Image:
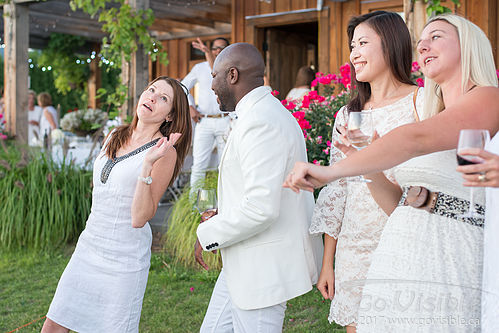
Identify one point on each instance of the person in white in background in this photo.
(486, 174)
(34, 115)
(48, 120)
(261, 229)
(212, 126)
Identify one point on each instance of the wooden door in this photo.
(286, 52)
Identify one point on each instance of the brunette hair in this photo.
(44, 99)
(221, 38)
(397, 51)
(180, 123)
(305, 76)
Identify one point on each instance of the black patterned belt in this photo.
(440, 204)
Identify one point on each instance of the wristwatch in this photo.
(147, 180)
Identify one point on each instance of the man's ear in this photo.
(233, 75)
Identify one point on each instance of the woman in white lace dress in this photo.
(425, 274)
(345, 211)
(102, 287)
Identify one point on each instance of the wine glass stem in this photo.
(472, 202)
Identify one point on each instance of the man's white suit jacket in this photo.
(262, 228)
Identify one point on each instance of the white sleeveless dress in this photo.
(346, 211)
(102, 287)
(426, 273)
(490, 296)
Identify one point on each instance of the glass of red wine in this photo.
(471, 138)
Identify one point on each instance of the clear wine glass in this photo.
(360, 131)
(206, 200)
(471, 138)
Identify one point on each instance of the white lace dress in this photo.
(102, 288)
(426, 273)
(346, 211)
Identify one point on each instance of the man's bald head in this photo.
(243, 56)
(237, 70)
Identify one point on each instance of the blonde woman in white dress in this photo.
(345, 212)
(426, 272)
(103, 285)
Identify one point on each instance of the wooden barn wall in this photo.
(333, 19)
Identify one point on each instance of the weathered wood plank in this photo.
(16, 39)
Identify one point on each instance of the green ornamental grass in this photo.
(44, 205)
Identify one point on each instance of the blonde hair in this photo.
(477, 62)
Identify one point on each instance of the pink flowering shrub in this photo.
(3, 135)
(316, 112)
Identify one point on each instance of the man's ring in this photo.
(482, 178)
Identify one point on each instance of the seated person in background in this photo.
(304, 78)
(48, 120)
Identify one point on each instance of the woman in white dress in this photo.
(486, 174)
(34, 115)
(345, 212)
(304, 78)
(102, 288)
(425, 275)
(49, 120)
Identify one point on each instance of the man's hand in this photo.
(195, 114)
(198, 250)
(198, 254)
(198, 44)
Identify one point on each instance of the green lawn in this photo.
(175, 300)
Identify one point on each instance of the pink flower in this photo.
(319, 74)
(290, 106)
(191, 289)
(315, 162)
(321, 99)
(328, 143)
(1, 115)
(420, 82)
(284, 102)
(314, 83)
(312, 94)
(299, 115)
(274, 93)
(497, 73)
(305, 103)
(304, 124)
(326, 151)
(319, 139)
(3, 136)
(415, 67)
(325, 79)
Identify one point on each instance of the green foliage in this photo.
(43, 205)
(127, 28)
(183, 222)
(434, 7)
(61, 57)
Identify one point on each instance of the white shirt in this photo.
(35, 115)
(207, 100)
(44, 123)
